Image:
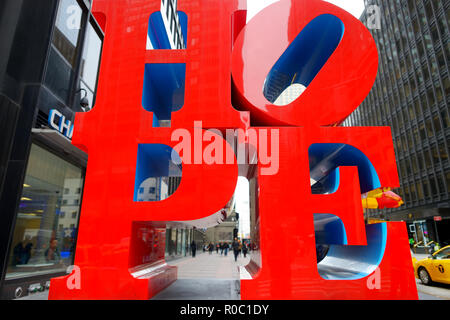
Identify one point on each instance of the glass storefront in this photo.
(178, 242)
(47, 220)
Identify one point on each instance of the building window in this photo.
(414, 165)
(426, 191)
(443, 152)
(423, 135)
(419, 191)
(90, 62)
(447, 178)
(433, 186)
(445, 119)
(429, 11)
(42, 241)
(65, 49)
(67, 31)
(437, 123)
(71, 31)
(429, 128)
(426, 155)
(440, 183)
(420, 162)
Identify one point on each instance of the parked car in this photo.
(435, 268)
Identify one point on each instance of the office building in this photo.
(49, 62)
(411, 95)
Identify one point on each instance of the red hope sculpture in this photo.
(284, 266)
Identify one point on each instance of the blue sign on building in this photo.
(57, 121)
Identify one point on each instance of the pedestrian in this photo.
(211, 248)
(244, 250)
(217, 248)
(193, 248)
(432, 247)
(235, 246)
(221, 248)
(226, 246)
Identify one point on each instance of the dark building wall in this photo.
(25, 29)
(411, 95)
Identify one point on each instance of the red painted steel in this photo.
(284, 263)
(338, 89)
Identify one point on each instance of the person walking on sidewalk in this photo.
(193, 248)
(211, 248)
(225, 248)
(244, 249)
(235, 245)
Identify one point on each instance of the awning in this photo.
(56, 140)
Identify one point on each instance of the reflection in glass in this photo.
(158, 172)
(45, 231)
(91, 58)
(58, 76)
(67, 31)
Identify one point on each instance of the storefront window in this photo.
(47, 220)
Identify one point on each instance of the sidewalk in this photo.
(205, 277)
(210, 266)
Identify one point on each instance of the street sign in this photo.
(437, 218)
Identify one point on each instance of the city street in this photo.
(436, 291)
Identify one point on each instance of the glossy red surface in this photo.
(111, 132)
(286, 266)
(339, 88)
(284, 263)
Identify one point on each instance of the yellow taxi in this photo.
(435, 268)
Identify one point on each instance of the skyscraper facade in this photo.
(411, 95)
